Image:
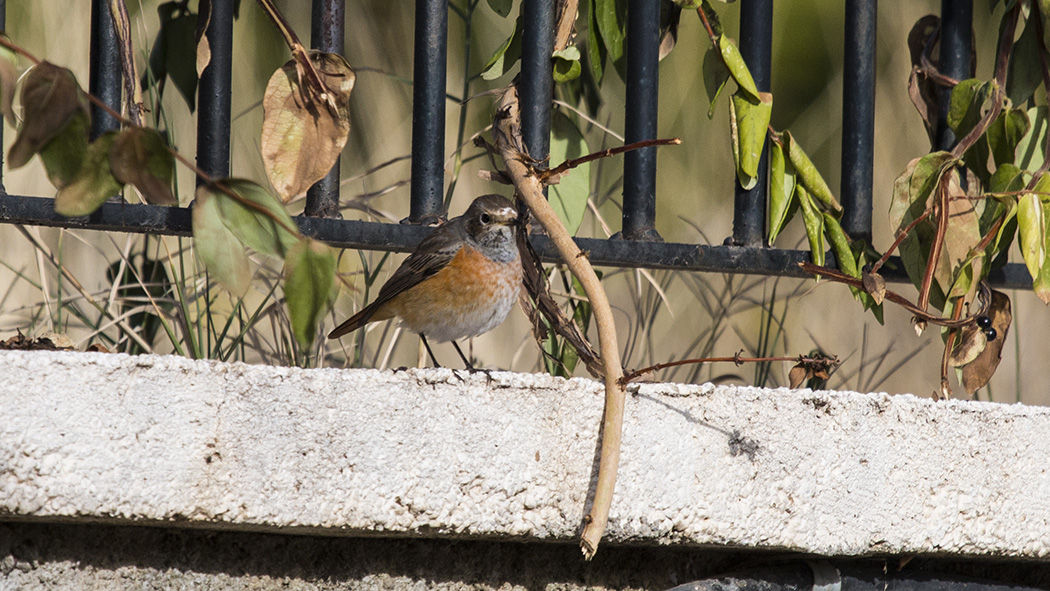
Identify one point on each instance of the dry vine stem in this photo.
(506, 131)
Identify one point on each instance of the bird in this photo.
(461, 281)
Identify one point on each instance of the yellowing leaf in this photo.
(301, 136)
(734, 61)
(806, 174)
(781, 191)
(814, 222)
(222, 253)
(1031, 227)
(752, 121)
(309, 274)
(93, 185)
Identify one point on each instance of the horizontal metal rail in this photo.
(176, 221)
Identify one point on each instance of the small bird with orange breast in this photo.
(460, 282)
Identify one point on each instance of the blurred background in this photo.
(661, 315)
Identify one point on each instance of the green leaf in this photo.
(1024, 73)
(781, 191)
(501, 7)
(752, 123)
(611, 16)
(595, 47)
(258, 219)
(1007, 179)
(840, 245)
(51, 99)
(93, 185)
(222, 253)
(970, 100)
(569, 196)
(911, 198)
(1005, 133)
(1031, 227)
(960, 104)
(1041, 283)
(734, 61)
(814, 222)
(140, 157)
(808, 175)
(506, 55)
(715, 77)
(63, 156)
(567, 64)
(309, 275)
(1031, 150)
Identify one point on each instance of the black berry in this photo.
(984, 321)
(990, 334)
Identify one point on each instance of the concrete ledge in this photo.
(174, 442)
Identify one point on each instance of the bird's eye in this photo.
(486, 218)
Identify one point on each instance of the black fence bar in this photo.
(536, 87)
(326, 34)
(858, 117)
(956, 34)
(428, 111)
(105, 77)
(3, 29)
(639, 166)
(213, 94)
(756, 42)
(176, 221)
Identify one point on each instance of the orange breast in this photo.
(470, 296)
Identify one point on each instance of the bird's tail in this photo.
(353, 323)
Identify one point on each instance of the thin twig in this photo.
(574, 162)
(900, 238)
(840, 277)
(737, 359)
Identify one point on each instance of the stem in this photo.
(736, 359)
(900, 238)
(574, 162)
(509, 143)
(949, 344)
(941, 209)
(300, 55)
(840, 277)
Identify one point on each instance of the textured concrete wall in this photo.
(171, 442)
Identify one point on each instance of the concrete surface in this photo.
(171, 442)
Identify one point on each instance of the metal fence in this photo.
(638, 244)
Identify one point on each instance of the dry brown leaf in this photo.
(797, 376)
(875, 285)
(140, 157)
(977, 373)
(972, 342)
(301, 137)
(203, 47)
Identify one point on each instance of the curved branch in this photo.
(506, 130)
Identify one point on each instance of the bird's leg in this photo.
(470, 366)
(429, 352)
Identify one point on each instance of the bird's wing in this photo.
(432, 255)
